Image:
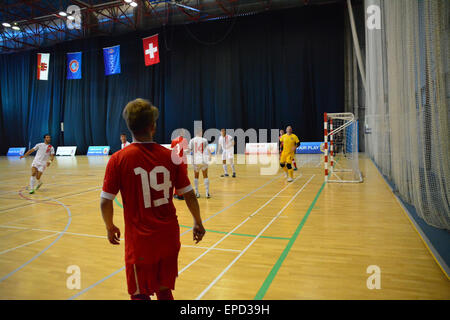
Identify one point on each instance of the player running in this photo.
(145, 175)
(44, 157)
(123, 139)
(290, 143)
(200, 157)
(226, 143)
(179, 145)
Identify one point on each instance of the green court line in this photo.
(223, 232)
(268, 281)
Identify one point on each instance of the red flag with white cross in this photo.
(151, 50)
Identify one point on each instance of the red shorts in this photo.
(148, 278)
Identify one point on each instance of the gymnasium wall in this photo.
(263, 71)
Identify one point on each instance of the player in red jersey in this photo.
(179, 145)
(145, 175)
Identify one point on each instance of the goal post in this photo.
(340, 148)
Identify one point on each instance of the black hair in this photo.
(47, 135)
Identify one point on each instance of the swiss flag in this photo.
(151, 50)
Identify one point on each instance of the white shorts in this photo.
(227, 155)
(39, 166)
(200, 166)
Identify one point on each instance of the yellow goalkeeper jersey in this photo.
(289, 141)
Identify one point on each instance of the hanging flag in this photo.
(151, 50)
(111, 57)
(42, 65)
(74, 65)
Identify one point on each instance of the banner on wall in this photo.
(261, 148)
(74, 65)
(66, 151)
(309, 147)
(98, 151)
(111, 58)
(16, 151)
(43, 61)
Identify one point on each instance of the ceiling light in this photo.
(133, 4)
(71, 17)
(62, 14)
(16, 28)
(6, 24)
(128, 1)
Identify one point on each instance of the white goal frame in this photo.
(335, 171)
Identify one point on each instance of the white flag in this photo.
(43, 65)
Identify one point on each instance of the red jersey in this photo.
(145, 175)
(178, 145)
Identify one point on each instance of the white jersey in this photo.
(43, 153)
(199, 148)
(126, 144)
(226, 143)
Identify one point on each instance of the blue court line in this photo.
(46, 248)
(227, 207)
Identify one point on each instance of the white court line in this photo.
(28, 243)
(222, 249)
(47, 201)
(251, 243)
(51, 211)
(46, 184)
(235, 228)
(86, 235)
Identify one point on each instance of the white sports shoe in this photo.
(290, 179)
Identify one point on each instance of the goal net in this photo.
(341, 148)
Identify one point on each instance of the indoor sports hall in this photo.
(356, 208)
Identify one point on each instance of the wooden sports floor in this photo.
(266, 238)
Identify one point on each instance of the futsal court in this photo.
(266, 238)
(334, 114)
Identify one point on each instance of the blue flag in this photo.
(111, 57)
(74, 65)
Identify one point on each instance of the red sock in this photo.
(165, 295)
(140, 297)
(295, 165)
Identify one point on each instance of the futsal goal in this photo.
(340, 148)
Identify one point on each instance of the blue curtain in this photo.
(271, 70)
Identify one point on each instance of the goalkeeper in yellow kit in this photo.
(290, 142)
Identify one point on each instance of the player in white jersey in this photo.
(45, 154)
(123, 139)
(226, 143)
(200, 157)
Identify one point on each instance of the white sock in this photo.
(225, 169)
(232, 168)
(207, 185)
(32, 182)
(38, 181)
(196, 185)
